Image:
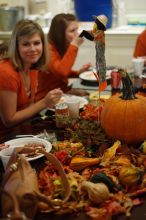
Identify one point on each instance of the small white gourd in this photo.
(97, 192)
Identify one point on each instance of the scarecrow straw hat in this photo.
(101, 21)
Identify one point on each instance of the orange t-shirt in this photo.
(59, 70)
(140, 47)
(11, 80)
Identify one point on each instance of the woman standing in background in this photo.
(64, 42)
(3, 50)
(27, 55)
(140, 46)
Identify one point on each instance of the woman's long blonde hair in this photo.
(25, 28)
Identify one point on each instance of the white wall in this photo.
(135, 6)
(58, 6)
(54, 6)
(135, 10)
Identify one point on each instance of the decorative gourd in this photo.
(123, 161)
(110, 152)
(143, 184)
(142, 147)
(97, 192)
(101, 177)
(129, 175)
(124, 116)
(78, 163)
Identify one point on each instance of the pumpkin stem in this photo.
(127, 91)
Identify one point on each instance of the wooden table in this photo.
(77, 83)
(37, 125)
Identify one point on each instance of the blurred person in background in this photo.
(140, 46)
(27, 55)
(63, 43)
(3, 50)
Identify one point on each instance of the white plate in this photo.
(89, 76)
(20, 142)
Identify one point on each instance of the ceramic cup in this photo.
(138, 65)
(5, 155)
(73, 106)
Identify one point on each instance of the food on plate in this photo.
(30, 146)
(31, 150)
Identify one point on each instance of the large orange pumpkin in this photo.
(124, 115)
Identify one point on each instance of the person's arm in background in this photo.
(63, 66)
(140, 46)
(77, 42)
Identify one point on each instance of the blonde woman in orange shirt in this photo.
(27, 54)
(64, 43)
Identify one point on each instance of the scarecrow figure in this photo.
(97, 34)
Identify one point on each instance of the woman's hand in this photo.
(85, 67)
(77, 41)
(8, 111)
(53, 97)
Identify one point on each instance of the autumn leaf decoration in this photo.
(102, 84)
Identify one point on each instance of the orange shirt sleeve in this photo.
(140, 47)
(63, 65)
(8, 81)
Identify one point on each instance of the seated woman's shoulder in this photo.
(5, 63)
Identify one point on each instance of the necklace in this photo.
(26, 81)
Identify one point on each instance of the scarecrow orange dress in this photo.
(11, 80)
(59, 70)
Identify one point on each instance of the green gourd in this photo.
(101, 177)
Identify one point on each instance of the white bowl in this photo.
(20, 142)
(5, 155)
